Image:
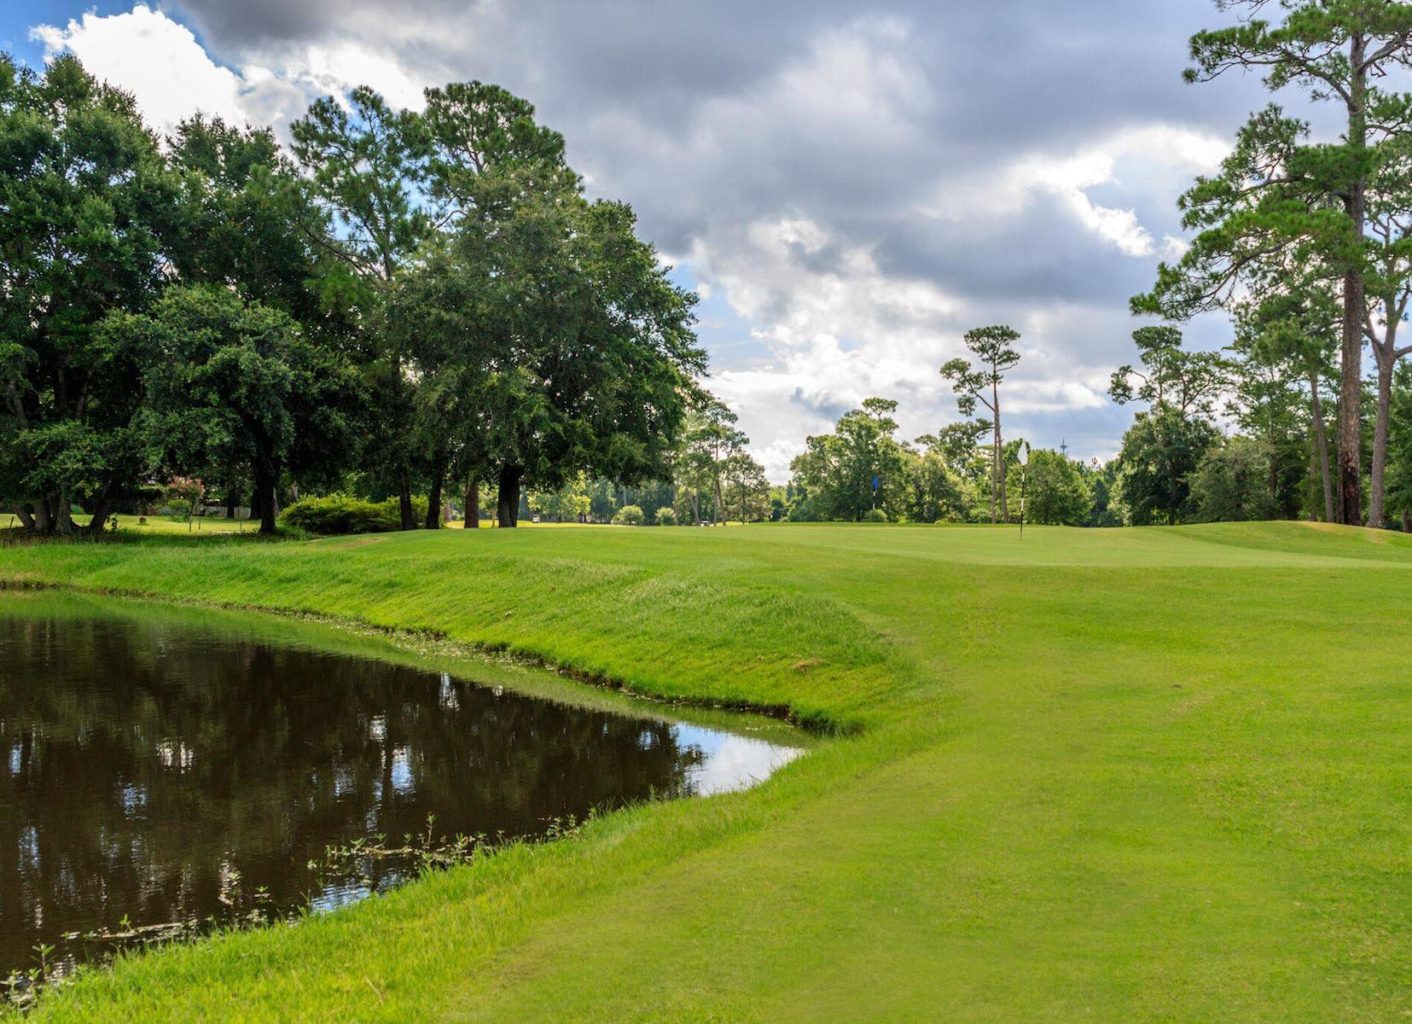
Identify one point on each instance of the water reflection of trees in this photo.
(141, 764)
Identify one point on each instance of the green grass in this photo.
(1137, 775)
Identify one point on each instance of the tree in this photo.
(995, 357)
(485, 151)
(748, 490)
(87, 207)
(1057, 493)
(242, 225)
(1281, 203)
(366, 166)
(709, 439)
(1400, 438)
(1189, 382)
(857, 468)
(934, 492)
(572, 345)
(629, 515)
(224, 372)
(1160, 452)
(569, 502)
(1231, 483)
(1296, 327)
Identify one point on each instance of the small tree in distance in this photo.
(995, 356)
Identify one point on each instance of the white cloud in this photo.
(157, 60)
(1069, 178)
(172, 76)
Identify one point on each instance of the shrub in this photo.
(666, 516)
(341, 513)
(629, 515)
(875, 515)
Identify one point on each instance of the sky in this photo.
(848, 186)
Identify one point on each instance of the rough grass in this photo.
(1138, 775)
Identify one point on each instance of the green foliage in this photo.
(838, 471)
(629, 515)
(1160, 452)
(666, 516)
(229, 375)
(1056, 493)
(339, 513)
(1189, 382)
(935, 493)
(995, 356)
(88, 208)
(1232, 483)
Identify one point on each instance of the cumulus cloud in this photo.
(849, 192)
(157, 60)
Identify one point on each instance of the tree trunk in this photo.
(408, 518)
(26, 517)
(999, 447)
(696, 506)
(99, 519)
(1321, 446)
(1376, 486)
(507, 506)
(1350, 484)
(438, 481)
(265, 495)
(63, 521)
(232, 500)
(473, 504)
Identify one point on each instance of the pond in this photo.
(170, 770)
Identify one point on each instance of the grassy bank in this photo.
(1122, 775)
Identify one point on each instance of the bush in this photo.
(666, 516)
(341, 513)
(875, 515)
(629, 515)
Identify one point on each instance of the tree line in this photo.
(1304, 243)
(398, 303)
(1232, 435)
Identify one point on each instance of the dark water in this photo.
(154, 773)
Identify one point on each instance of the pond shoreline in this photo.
(432, 643)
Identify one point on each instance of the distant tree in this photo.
(1106, 507)
(1399, 472)
(1296, 326)
(629, 515)
(857, 468)
(1231, 483)
(709, 440)
(995, 356)
(570, 501)
(934, 492)
(1057, 493)
(748, 490)
(1160, 452)
(1189, 382)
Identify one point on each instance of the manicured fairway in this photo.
(1134, 775)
